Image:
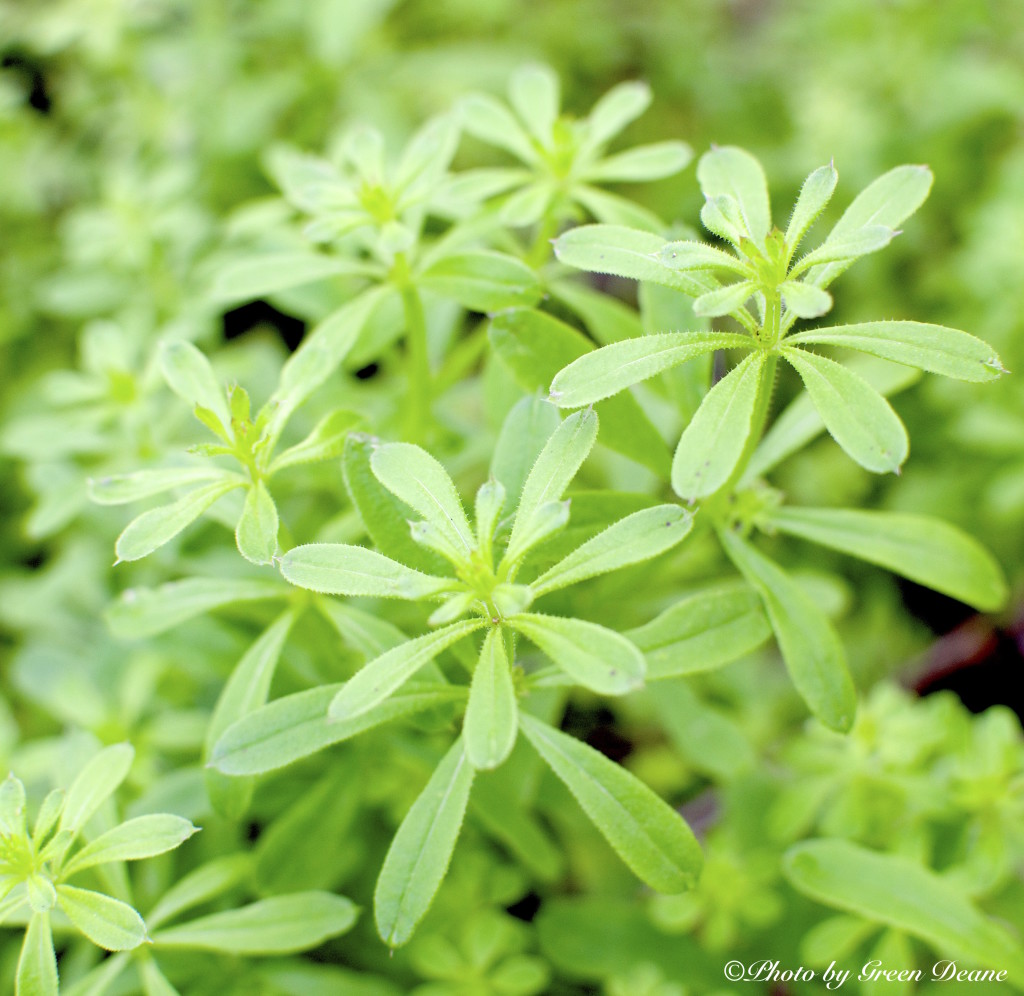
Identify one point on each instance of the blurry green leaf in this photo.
(152, 529)
(154, 982)
(256, 535)
(891, 889)
(736, 173)
(279, 925)
(380, 677)
(12, 807)
(483, 281)
(107, 922)
(190, 376)
(713, 442)
(644, 162)
(325, 442)
(200, 885)
(593, 656)
(37, 964)
(855, 414)
(94, 784)
(606, 318)
(934, 348)
(616, 109)
(340, 569)
(810, 647)
(524, 433)
(534, 94)
(631, 540)
(926, 550)
(123, 488)
(422, 849)
(702, 631)
(613, 368)
(491, 121)
(815, 194)
(261, 276)
(645, 832)
(490, 725)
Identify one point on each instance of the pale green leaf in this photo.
(702, 631)
(814, 197)
(260, 276)
(722, 216)
(152, 529)
(200, 885)
(107, 922)
(278, 925)
(926, 550)
(934, 348)
(534, 94)
(94, 784)
(723, 300)
(190, 376)
(37, 963)
(142, 837)
(377, 679)
(616, 109)
(846, 248)
(492, 122)
(325, 442)
(524, 433)
(642, 163)
(810, 647)
(12, 807)
(891, 889)
(340, 569)
(700, 256)
(611, 209)
(490, 725)
(482, 280)
(855, 414)
(650, 836)
(120, 489)
(636, 538)
(593, 656)
(711, 445)
(422, 849)
(256, 534)
(805, 300)
(613, 368)
(154, 982)
(733, 172)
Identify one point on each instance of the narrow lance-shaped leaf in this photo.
(37, 964)
(107, 922)
(924, 549)
(735, 173)
(534, 92)
(846, 248)
(650, 836)
(556, 466)
(713, 442)
(258, 276)
(855, 414)
(256, 534)
(200, 885)
(415, 477)
(805, 300)
(814, 197)
(613, 368)
(152, 529)
(700, 256)
(376, 680)
(723, 300)
(483, 280)
(422, 849)
(340, 569)
(891, 889)
(120, 489)
(597, 658)
(614, 110)
(631, 540)
(325, 442)
(934, 348)
(642, 163)
(142, 837)
(524, 433)
(94, 784)
(492, 122)
(190, 376)
(278, 925)
(702, 631)
(810, 647)
(491, 715)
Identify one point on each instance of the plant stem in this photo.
(417, 365)
(541, 248)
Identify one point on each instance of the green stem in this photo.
(541, 248)
(417, 365)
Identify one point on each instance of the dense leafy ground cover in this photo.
(462, 478)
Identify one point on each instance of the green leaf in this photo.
(556, 466)
(625, 252)
(279, 925)
(810, 647)
(642, 163)
(492, 122)
(416, 478)
(296, 726)
(631, 540)
(702, 631)
(325, 442)
(383, 675)
(735, 173)
(422, 849)
(688, 255)
(483, 281)
(524, 433)
(152, 529)
(107, 922)
(650, 836)
(190, 376)
(614, 110)
(364, 631)
(259, 276)
(340, 569)
(890, 889)
(805, 300)
(597, 658)
(245, 691)
(37, 963)
(723, 300)
(607, 319)
(605, 372)
(141, 612)
(814, 197)
(888, 201)
(386, 518)
(200, 885)
(94, 784)
(12, 807)
(535, 346)
(934, 348)
(256, 534)
(534, 94)
(490, 725)
(154, 982)
(846, 248)
(120, 489)
(855, 414)
(142, 837)
(926, 550)
(722, 216)
(711, 445)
